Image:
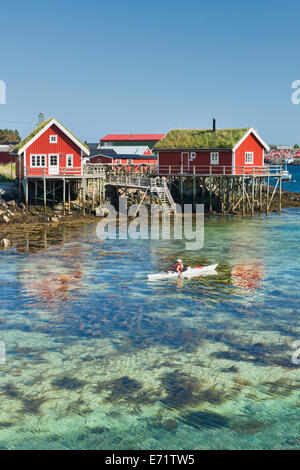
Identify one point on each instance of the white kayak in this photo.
(188, 273)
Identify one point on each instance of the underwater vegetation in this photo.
(126, 389)
(205, 419)
(67, 382)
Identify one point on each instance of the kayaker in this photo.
(178, 266)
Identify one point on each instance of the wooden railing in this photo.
(44, 172)
(207, 170)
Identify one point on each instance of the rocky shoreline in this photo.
(13, 214)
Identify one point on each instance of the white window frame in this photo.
(214, 155)
(53, 155)
(33, 158)
(118, 162)
(69, 155)
(130, 161)
(247, 154)
(52, 141)
(192, 155)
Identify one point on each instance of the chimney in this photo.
(41, 118)
(214, 125)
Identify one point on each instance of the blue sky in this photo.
(139, 66)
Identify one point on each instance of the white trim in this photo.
(218, 161)
(53, 141)
(233, 163)
(251, 131)
(61, 127)
(72, 157)
(249, 163)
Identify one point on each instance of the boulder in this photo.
(101, 211)
(6, 242)
(5, 219)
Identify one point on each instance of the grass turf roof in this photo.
(201, 138)
(37, 130)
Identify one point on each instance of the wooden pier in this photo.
(227, 190)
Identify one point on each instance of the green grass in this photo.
(201, 138)
(7, 173)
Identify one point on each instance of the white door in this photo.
(53, 164)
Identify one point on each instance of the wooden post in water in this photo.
(210, 190)
(194, 189)
(280, 193)
(253, 193)
(93, 194)
(35, 192)
(268, 194)
(83, 195)
(64, 196)
(26, 193)
(45, 193)
(181, 186)
(69, 196)
(243, 191)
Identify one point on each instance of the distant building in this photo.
(136, 140)
(284, 147)
(5, 155)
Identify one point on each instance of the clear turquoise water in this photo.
(294, 183)
(99, 358)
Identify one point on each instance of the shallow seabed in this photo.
(99, 358)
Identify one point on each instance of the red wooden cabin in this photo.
(211, 151)
(50, 151)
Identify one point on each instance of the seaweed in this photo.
(32, 405)
(205, 419)
(67, 382)
(11, 391)
(180, 389)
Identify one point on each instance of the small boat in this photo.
(286, 176)
(188, 273)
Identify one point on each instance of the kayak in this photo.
(188, 273)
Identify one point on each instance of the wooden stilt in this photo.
(45, 194)
(53, 193)
(210, 190)
(194, 189)
(268, 195)
(93, 194)
(83, 195)
(280, 193)
(35, 191)
(69, 196)
(26, 193)
(64, 196)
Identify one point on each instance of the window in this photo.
(53, 160)
(248, 158)
(70, 161)
(193, 156)
(118, 162)
(38, 161)
(214, 158)
(130, 162)
(53, 139)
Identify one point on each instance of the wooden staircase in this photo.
(159, 187)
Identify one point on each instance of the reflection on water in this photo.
(99, 358)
